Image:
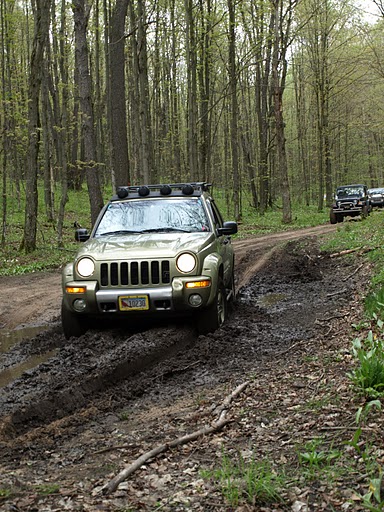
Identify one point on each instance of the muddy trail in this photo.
(72, 421)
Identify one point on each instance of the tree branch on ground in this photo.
(216, 425)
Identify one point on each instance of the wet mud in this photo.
(135, 388)
(280, 306)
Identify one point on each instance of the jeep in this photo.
(350, 200)
(155, 250)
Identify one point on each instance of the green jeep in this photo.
(155, 250)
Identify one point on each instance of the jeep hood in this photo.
(145, 246)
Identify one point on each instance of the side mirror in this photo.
(229, 228)
(81, 235)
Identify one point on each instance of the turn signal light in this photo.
(75, 289)
(198, 284)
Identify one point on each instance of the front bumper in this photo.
(172, 298)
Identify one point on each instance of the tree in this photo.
(81, 12)
(40, 38)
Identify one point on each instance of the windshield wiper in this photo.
(166, 230)
(120, 232)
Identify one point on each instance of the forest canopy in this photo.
(278, 100)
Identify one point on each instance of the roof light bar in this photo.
(187, 189)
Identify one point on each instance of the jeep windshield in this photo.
(153, 216)
(347, 192)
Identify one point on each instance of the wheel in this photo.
(73, 325)
(213, 317)
(332, 217)
(364, 212)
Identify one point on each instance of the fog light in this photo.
(79, 305)
(195, 300)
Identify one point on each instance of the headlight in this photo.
(186, 262)
(85, 267)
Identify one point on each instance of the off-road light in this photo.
(143, 191)
(75, 289)
(79, 305)
(85, 267)
(122, 192)
(187, 190)
(165, 190)
(195, 300)
(199, 284)
(186, 262)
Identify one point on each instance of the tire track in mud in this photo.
(95, 362)
(69, 381)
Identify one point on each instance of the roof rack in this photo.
(171, 189)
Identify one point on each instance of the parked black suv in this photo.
(350, 201)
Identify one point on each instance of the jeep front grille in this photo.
(132, 273)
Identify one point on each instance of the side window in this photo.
(216, 215)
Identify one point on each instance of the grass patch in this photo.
(251, 481)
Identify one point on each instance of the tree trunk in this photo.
(193, 161)
(81, 11)
(36, 66)
(234, 110)
(117, 103)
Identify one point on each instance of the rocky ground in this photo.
(265, 389)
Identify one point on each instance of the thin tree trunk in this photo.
(117, 103)
(234, 110)
(81, 11)
(42, 17)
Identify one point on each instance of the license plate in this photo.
(133, 303)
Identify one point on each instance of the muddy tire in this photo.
(73, 325)
(213, 317)
(332, 217)
(231, 289)
(364, 212)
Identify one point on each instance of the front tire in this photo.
(73, 325)
(213, 317)
(332, 217)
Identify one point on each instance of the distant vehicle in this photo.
(376, 197)
(350, 201)
(155, 250)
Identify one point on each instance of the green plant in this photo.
(5, 493)
(253, 481)
(368, 378)
(46, 489)
(374, 303)
(315, 458)
(124, 416)
(374, 500)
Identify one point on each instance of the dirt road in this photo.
(98, 403)
(34, 299)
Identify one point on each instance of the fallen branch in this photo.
(342, 253)
(353, 273)
(361, 250)
(215, 427)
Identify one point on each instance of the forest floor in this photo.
(277, 371)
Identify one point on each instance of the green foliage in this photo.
(252, 481)
(5, 493)
(374, 303)
(46, 489)
(374, 500)
(315, 458)
(368, 377)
